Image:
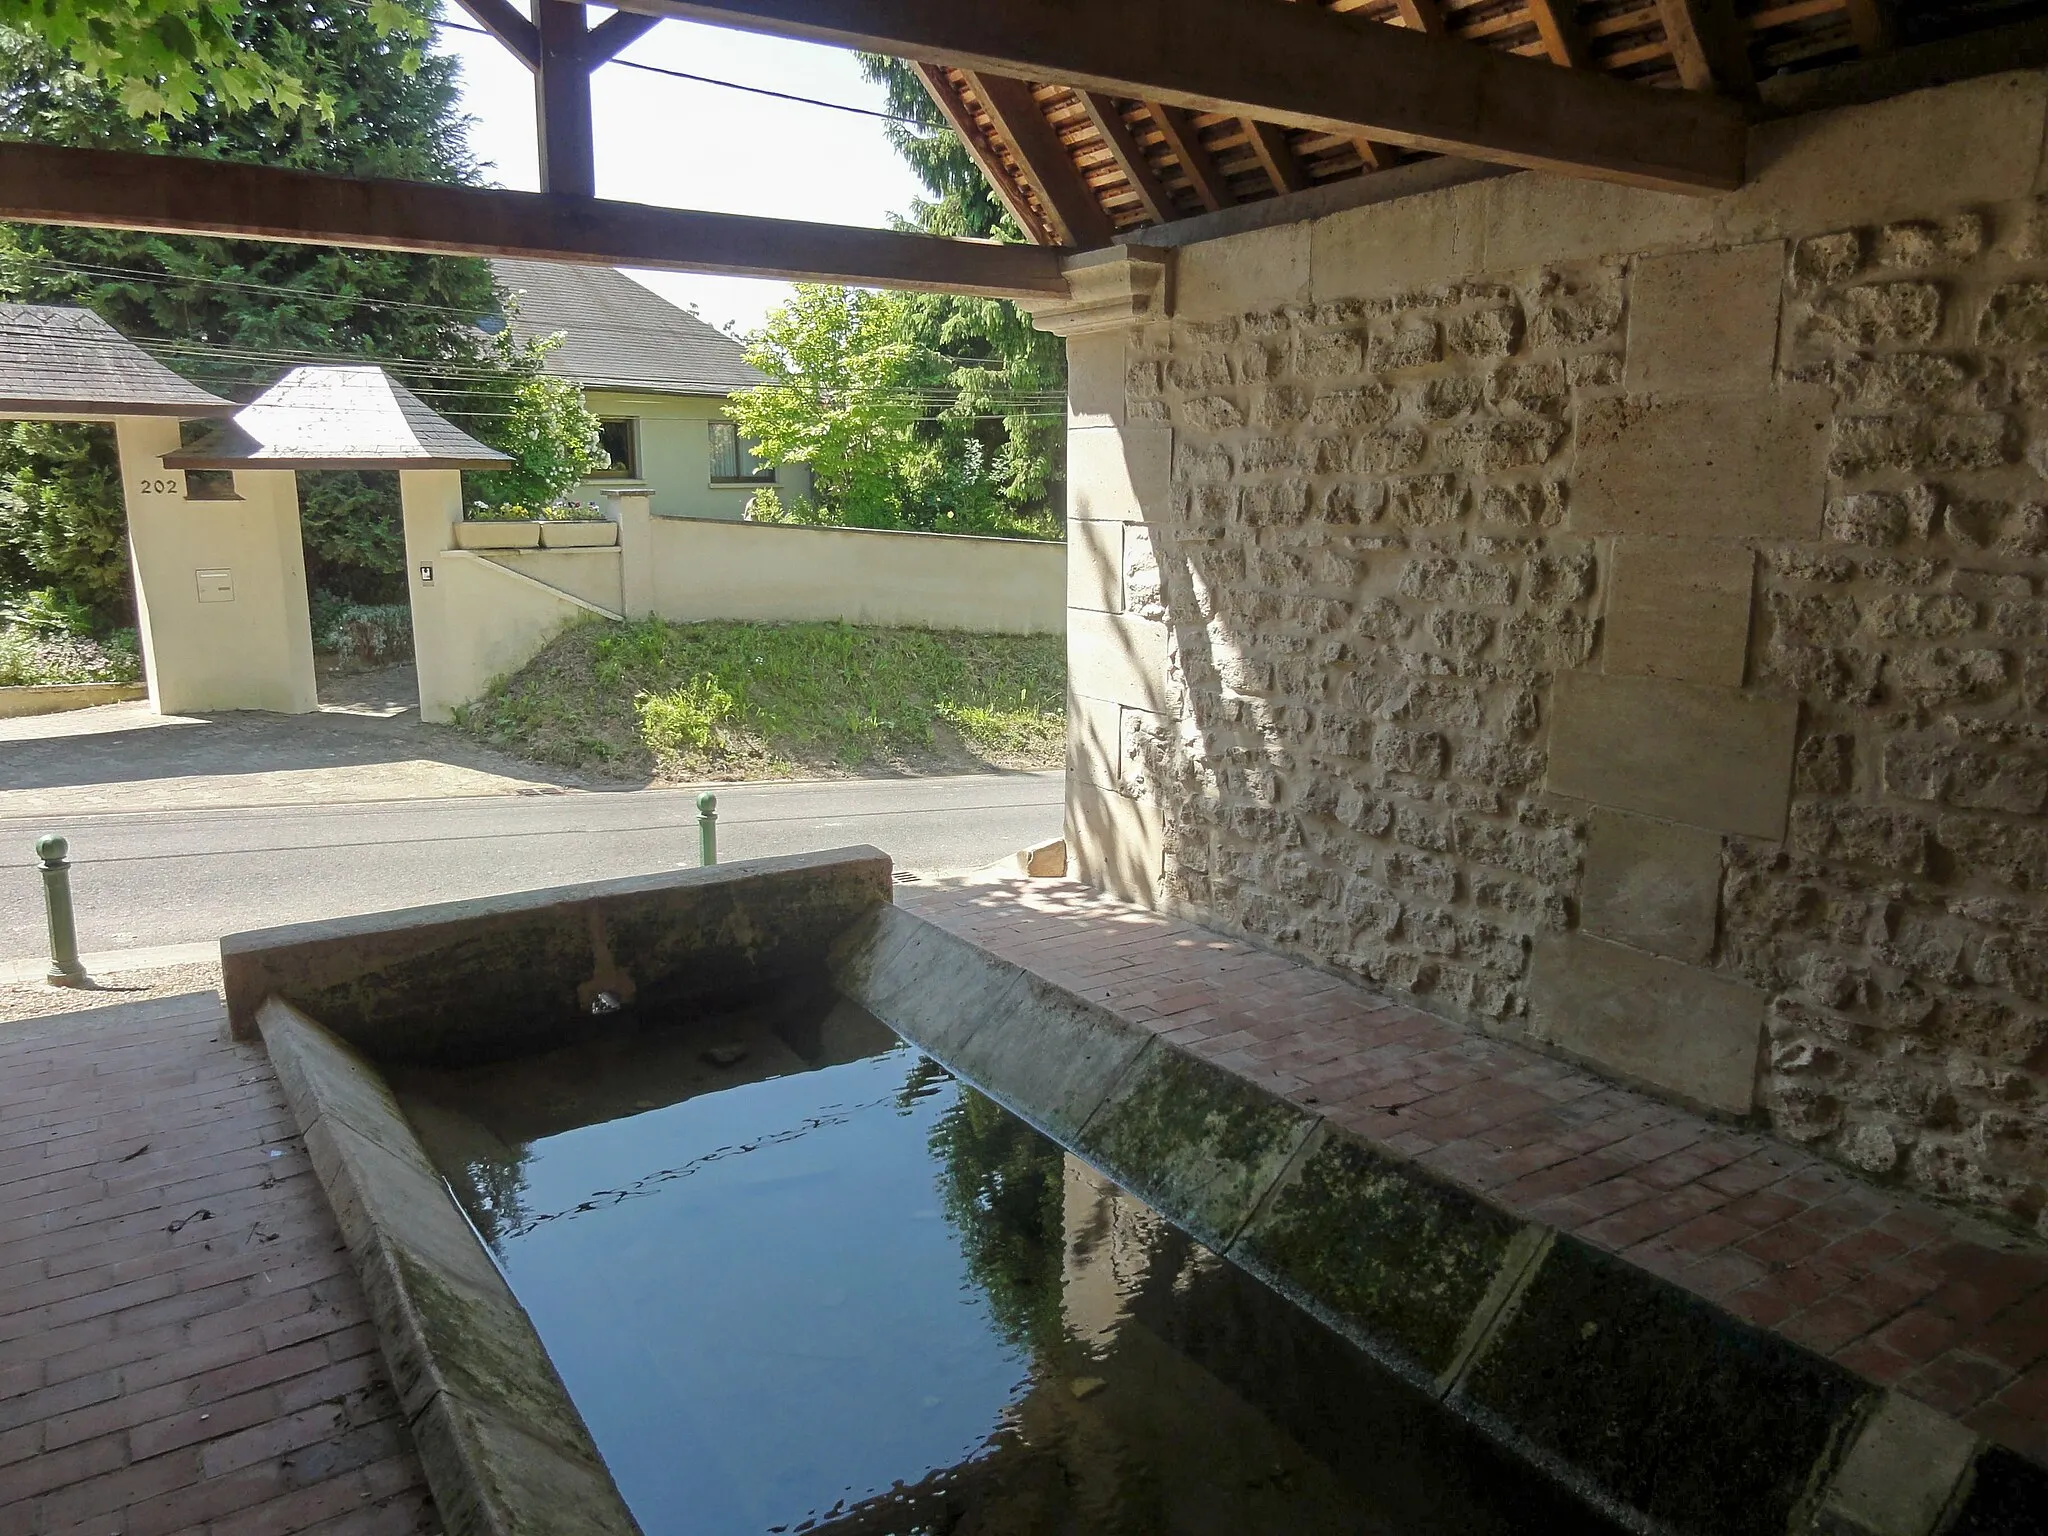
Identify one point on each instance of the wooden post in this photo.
(561, 99)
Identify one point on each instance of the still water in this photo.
(799, 1279)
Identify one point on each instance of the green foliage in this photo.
(552, 434)
(725, 700)
(685, 720)
(919, 411)
(61, 523)
(45, 637)
(232, 315)
(168, 58)
(368, 634)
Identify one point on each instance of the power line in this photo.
(730, 85)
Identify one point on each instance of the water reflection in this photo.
(798, 1279)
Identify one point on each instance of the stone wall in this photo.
(1613, 618)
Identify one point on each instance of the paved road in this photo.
(146, 879)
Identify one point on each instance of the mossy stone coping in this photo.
(1658, 1408)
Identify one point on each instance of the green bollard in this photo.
(65, 971)
(707, 828)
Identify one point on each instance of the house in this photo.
(657, 377)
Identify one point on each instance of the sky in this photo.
(683, 145)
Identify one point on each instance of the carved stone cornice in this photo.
(1107, 290)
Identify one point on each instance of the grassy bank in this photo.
(711, 701)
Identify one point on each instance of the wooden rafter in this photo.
(939, 86)
(1276, 156)
(1871, 25)
(1295, 65)
(171, 194)
(614, 34)
(1109, 122)
(1077, 216)
(1563, 41)
(1709, 48)
(1185, 145)
(502, 20)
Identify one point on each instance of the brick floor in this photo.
(1908, 1293)
(183, 1347)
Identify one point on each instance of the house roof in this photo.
(71, 364)
(619, 334)
(337, 417)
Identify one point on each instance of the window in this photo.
(732, 458)
(620, 436)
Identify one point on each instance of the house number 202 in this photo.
(161, 488)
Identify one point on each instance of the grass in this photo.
(720, 701)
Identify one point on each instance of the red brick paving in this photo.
(183, 1347)
(1907, 1293)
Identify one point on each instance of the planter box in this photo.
(595, 535)
(497, 535)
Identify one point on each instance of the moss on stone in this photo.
(1195, 1140)
(1399, 1257)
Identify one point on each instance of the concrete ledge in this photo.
(504, 1449)
(55, 698)
(472, 980)
(1659, 1408)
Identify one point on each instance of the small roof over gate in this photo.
(349, 416)
(70, 365)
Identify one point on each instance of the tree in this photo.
(952, 408)
(552, 434)
(230, 314)
(160, 58)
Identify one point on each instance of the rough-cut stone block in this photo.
(1195, 1139)
(1653, 884)
(1219, 279)
(1674, 1027)
(1096, 372)
(1095, 565)
(1665, 1405)
(1391, 247)
(1956, 146)
(1119, 474)
(1731, 467)
(1679, 608)
(1111, 656)
(1397, 1259)
(1705, 322)
(1115, 843)
(1898, 1477)
(1707, 757)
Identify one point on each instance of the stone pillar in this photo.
(633, 510)
(220, 585)
(432, 500)
(1119, 646)
(1706, 455)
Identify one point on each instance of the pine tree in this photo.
(231, 315)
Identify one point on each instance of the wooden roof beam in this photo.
(1077, 217)
(612, 36)
(1295, 65)
(177, 195)
(1563, 40)
(1125, 150)
(1009, 192)
(1195, 161)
